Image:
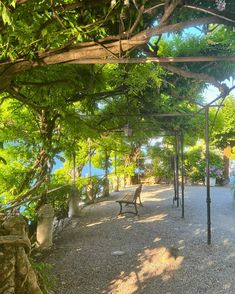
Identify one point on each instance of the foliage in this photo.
(53, 109)
(195, 163)
(47, 279)
(161, 162)
(224, 123)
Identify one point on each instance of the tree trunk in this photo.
(128, 181)
(90, 193)
(115, 184)
(122, 182)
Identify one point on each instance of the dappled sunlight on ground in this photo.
(199, 231)
(157, 239)
(156, 252)
(154, 199)
(153, 263)
(231, 255)
(158, 217)
(127, 227)
(95, 224)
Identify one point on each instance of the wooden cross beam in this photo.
(153, 59)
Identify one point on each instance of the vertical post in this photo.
(174, 178)
(115, 162)
(115, 180)
(89, 185)
(75, 195)
(106, 179)
(89, 159)
(208, 196)
(138, 175)
(182, 171)
(177, 167)
(74, 169)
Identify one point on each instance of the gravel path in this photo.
(163, 253)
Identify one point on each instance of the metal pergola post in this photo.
(174, 179)
(177, 167)
(182, 171)
(208, 196)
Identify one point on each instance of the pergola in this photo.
(179, 137)
(35, 34)
(114, 48)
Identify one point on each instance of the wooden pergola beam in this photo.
(152, 59)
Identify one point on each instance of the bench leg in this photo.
(120, 212)
(141, 204)
(136, 211)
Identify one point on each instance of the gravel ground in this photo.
(160, 251)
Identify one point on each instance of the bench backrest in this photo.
(137, 191)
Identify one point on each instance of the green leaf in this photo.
(5, 16)
(44, 32)
(13, 3)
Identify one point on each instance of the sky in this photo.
(212, 92)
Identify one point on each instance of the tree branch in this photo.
(29, 192)
(44, 84)
(170, 6)
(197, 76)
(89, 50)
(20, 97)
(223, 15)
(141, 11)
(98, 96)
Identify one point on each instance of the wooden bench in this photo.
(130, 198)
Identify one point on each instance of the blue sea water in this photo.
(94, 171)
(85, 171)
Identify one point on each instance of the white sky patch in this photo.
(154, 141)
(212, 92)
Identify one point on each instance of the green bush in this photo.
(195, 163)
(46, 278)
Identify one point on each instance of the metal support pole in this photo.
(174, 179)
(182, 171)
(115, 180)
(208, 197)
(177, 167)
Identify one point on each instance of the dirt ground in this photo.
(154, 253)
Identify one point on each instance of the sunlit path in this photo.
(158, 251)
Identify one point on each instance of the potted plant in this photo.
(216, 175)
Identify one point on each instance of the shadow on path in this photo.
(156, 252)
